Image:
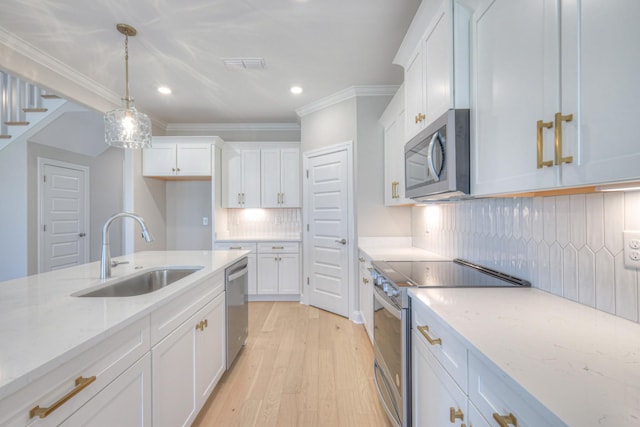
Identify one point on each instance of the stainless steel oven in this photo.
(390, 336)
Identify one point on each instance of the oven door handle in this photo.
(386, 304)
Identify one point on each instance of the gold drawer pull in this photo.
(559, 118)
(433, 341)
(277, 247)
(455, 414)
(235, 248)
(541, 126)
(505, 420)
(365, 280)
(80, 384)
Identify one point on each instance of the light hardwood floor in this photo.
(301, 367)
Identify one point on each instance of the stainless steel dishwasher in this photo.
(236, 286)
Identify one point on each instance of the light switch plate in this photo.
(631, 248)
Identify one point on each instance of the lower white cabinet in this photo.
(441, 360)
(124, 402)
(86, 387)
(187, 364)
(437, 400)
(279, 268)
(366, 293)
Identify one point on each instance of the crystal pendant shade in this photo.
(127, 128)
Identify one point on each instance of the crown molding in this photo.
(32, 53)
(49, 62)
(348, 93)
(233, 127)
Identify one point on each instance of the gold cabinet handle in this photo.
(365, 280)
(200, 326)
(206, 323)
(80, 384)
(277, 247)
(455, 414)
(235, 248)
(505, 420)
(433, 341)
(559, 118)
(541, 126)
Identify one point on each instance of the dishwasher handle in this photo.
(233, 276)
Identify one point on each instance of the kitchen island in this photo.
(43, 327)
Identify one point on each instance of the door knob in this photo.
(342, 241)
(82, 234)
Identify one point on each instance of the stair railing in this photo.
(17, 97)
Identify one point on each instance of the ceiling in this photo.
(324, 46)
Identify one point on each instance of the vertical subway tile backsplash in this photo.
(571, 246)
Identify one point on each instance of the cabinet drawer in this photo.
(168, 317)
(236, 246)
(446, 346)
(278, 247)
(496, 394)
(105, 361)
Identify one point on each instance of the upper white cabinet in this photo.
(241, 175)
(393, 123)
(555, 96)
(435, 57)
(178, 157)
(280, 177)
(260, 174)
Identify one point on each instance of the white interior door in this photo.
(327, 255)
(63, 216)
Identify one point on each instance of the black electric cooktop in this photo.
(444, 274)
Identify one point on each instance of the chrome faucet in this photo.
(105, 259)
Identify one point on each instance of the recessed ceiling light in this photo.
(164, 90)
(296, 90)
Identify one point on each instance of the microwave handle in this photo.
(430, 164)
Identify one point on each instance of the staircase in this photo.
(24, 108)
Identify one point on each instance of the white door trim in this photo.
(347, 146)
(42, 161)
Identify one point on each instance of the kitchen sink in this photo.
(140, 283)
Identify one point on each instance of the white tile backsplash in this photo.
(263, 222)
(571, 246)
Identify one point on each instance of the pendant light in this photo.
(126, 127)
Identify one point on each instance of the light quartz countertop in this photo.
(395, 249)
(292, 237)
(581, 363)
(42, 326)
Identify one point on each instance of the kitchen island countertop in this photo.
(42, 326)
(581, 363)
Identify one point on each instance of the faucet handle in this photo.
(115, 263)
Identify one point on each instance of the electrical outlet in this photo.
(631, 249)
(205, 220)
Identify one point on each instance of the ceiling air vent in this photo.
(244, 63)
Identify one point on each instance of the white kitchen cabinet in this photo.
(97, 373)
(124, 402)
(178, 157)
(436, 399)
(187, 364)
(251, 259)
(497, 396)
(554, 95)
(279, 268)
(241, 177)
(392, 120)
(280, 177)
(366, 293)
(436, 64)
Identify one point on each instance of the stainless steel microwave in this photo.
(436, 160)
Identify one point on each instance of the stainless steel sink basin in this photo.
(141, 283)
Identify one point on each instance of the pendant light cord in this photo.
(126, 68)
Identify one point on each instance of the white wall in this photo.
(187, 203)
(356, 119)
(570, 246)
(13, 211)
